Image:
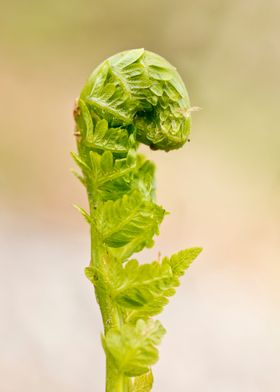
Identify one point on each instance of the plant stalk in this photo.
(112, 316)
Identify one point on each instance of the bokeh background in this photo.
(222, 190)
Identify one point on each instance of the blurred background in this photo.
(222, 190)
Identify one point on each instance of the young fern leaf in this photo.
(133, 97)
(133, 346)
(143, 383)
(129, 218)
(144, 289)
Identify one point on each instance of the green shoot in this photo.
(133, 97)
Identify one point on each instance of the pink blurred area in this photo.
(222, 191)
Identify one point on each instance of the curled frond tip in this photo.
(142, 92)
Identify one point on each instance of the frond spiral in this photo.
(140, 91)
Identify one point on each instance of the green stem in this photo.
(111, 315)
(115, 381)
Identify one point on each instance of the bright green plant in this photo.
(135, 96)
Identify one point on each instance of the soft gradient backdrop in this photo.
(222, 190)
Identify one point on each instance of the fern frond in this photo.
(132, 97)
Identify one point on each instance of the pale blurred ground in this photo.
(222, 191)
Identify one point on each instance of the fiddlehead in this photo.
(133, 97)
